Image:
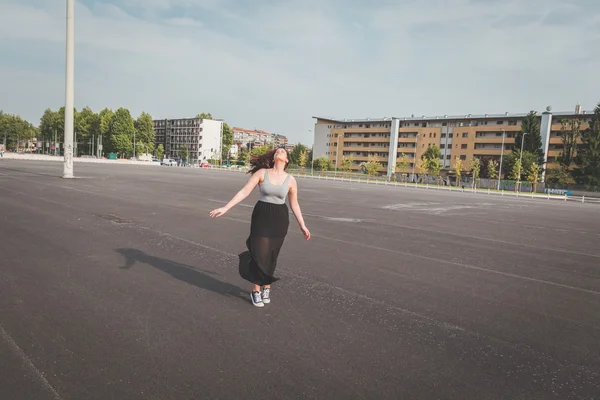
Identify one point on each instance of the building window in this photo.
(463, 157)
(465, 135)
(463, 146)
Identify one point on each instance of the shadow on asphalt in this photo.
(185, 273)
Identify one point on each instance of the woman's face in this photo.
(281, 155)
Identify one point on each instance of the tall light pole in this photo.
(221, 147)
(337, 155)
(501, 156)
(312, 154)
(69, 90)
(415, 156)
(521, 156)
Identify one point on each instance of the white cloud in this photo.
(272, 65)
(183, 22)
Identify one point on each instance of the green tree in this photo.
(323, 163)
(420, 166)
(347, 162)
(88, 127)
(183, 153)
(588, 155)
(533, 175)
(431, 159)
(511, 158)
(105, 119)
(19, 132)
(48, 125)
(570, 132)
(160, 151)
(372, 166)
(402, 164)
(296, 152)
(144, 132)
(244, 155)
(458, 166)
(533, 139)
(227, 141)
(204, 116)
(303, 159)
(559, 176)
(514, 171)
(475, 170)
(259, 151)
(122, 127)
(492, 169)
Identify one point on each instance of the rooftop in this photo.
(453, 117)
(254, 131)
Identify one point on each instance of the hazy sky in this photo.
(273, 64)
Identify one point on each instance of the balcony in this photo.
(494, 140)
(407, 140)
(489, 152)
(363, 139)
(362, 148)
(360, 158)
(554, 153)
(492, 128)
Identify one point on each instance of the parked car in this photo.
(169, 162)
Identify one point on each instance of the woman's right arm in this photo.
(241, 195)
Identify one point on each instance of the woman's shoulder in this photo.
(260, 174)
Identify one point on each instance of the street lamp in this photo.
(337, 153)
(521, 157)
(415, 156)
(69, 90)
(501, 156)
(312, 155)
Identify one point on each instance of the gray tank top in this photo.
(275, 194)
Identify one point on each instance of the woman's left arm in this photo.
(293, 196)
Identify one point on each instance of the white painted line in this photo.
(28, 363)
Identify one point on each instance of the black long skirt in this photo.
(268, 230)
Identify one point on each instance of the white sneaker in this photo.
(266, 295)
(257, 299)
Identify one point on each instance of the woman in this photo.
(270, 220)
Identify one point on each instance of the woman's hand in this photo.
(218, 212)
(305, 232)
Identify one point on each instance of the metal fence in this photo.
(430, 183)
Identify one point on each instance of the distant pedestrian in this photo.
(270, 220)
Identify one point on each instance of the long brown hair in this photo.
(266, 160)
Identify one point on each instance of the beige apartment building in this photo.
(464, 136)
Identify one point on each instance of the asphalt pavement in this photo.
(118, 285)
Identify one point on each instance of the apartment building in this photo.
(279, 140)
(201, 137)
(464, 136)
(251, 138)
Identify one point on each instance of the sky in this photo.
(274, 64)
